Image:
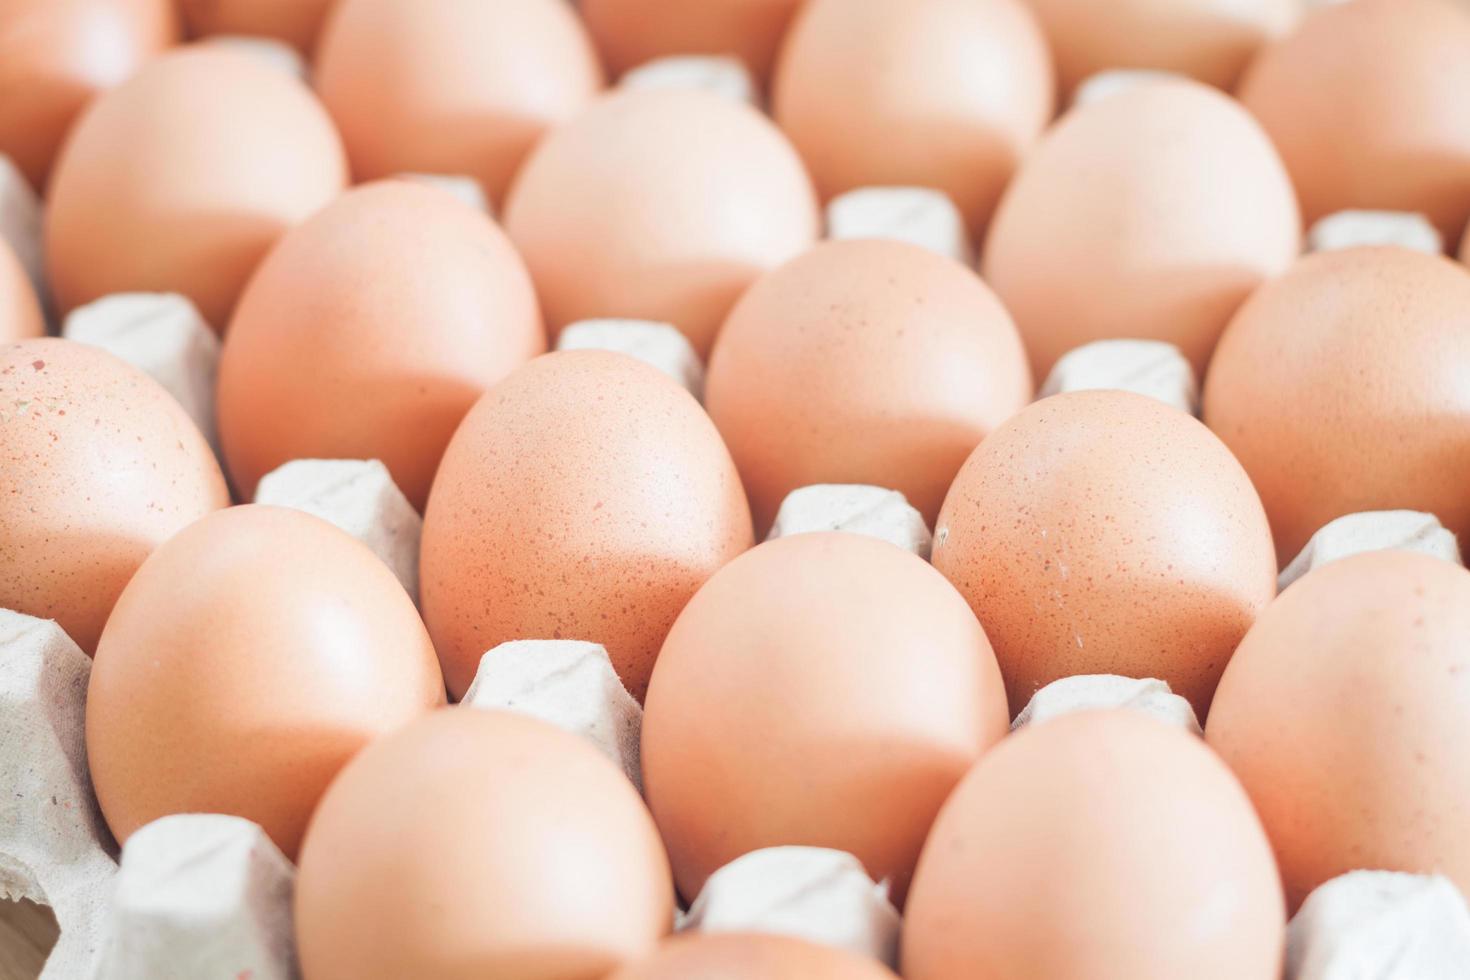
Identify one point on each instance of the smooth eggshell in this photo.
(1341, 387)
(101, 466)
(585, 497)
(947, 94)
(250, 657)
(1102, 532)
(478, 844)
(368, 333)
(1148, 215)
(659, 205)
(825, 689)
(452, 86)
(741, 956)
(20, 313)
(1102, 844)
(631, 32)
(1346, 714)
(294, 21)
(869, 362)
(181, 179)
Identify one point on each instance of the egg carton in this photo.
(659, 345)
(1352, 229)
(917, 215)
(723, 76)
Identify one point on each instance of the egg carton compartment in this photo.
(1108, 692)
(1380, 924)
(1402, 530)
(1145, 367)
(723, 76)
(874, 511)
(918, 215)
(1354, 229)
(658, 345)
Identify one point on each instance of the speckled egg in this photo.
(1103, 532)
(741, 956)
(294, 21)
(631, 32)
(20, 313)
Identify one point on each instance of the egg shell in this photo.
(1148, 215)
(294, 21)
(825, 689)
(1387, 79)
(585, 497)
(1340, 387)
(249, 658)
(1103, 532)
(947, 94)
(20, 313)
(871, 362)
(182, 178)
(1346, 714)
(101, 466)
(1102, 844)
(742, 956)
(480, 844)
(632, 32)
(660, 205)
(452, 86)
(56, 55)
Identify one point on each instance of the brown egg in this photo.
(1341, 388)
(1102, 844)
(945, 93)
(1346, 714)
(659, 205)
(631, 32)
(585, 497)
(1151, 214)
(1366, 102)
(863, 362)
(101, 466)
(55, 55)
(825, 689)
(1103, 532)
(369, 332)
(250, 657)
(753, 956)
(20, 313)
(459, 87)
(294, 21)
(181, 180)
(479, 844)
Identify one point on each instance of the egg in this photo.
(1341, 388)
(480, 844)
(181, 179)
(101, 466)
(631, 32)
(585, 497)
(1365, 101)
(20, 313)
(1101, 844)
(56, 55)
(1346, 714)
(738, 956)
(1102, 532)
(251, 656)
(369, 332)
(863, 361)
(659, 205)
(294, 21)
(824, 689)
(1149, 215)
(460, 87)
(948, 94)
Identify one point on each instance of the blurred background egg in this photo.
(101, 466)
(20, 312)
(659, 205)
(946, 94)
(1102, 844)
(873, 362)
(181, 179)
(744, 956)
(250, 657)
(1103, 532)
(369, 332)
(461, 87)
(1151, 214)
(294, 21)
(824, 689)
(631, 32)
(479, 844)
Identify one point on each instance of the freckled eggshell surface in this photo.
(101, 466)
(461, 87)
(181, 179)
(1103, 532)
(1346, 714)
(1341, 387)
(659, 205)
(1102, 844)
(870, 362)
(824, 689)
(631, 32)
(20, 313)
(294, 21)
(286, 647)
(585, 497)
(946, 94)
(1151, 214)
(369, 332)
(742, 956)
